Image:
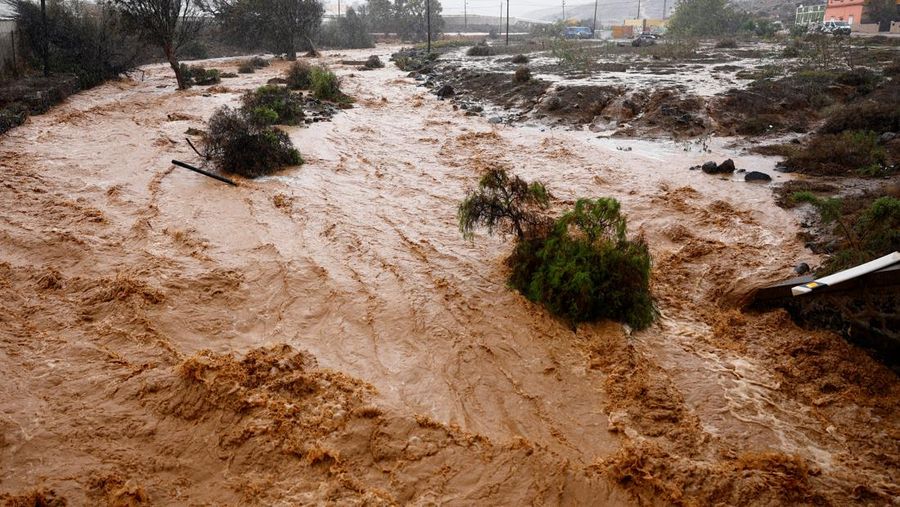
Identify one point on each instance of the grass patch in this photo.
(849, 152)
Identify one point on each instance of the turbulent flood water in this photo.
(327, 335)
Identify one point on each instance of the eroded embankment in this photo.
(327, 335)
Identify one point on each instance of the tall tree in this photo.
(281, 26)
(411, 20)
(381, 16)
(169, 24)
(882, 12)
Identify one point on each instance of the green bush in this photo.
(298, 76)
(873, 233)
(197, 75)
(272, 104)
(235, 144)
(586, 269)
(523, 74)
(325, 85)
(582, 267)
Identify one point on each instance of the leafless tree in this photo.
(167, 23)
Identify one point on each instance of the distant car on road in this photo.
(644, 39)
(835, 27)
(578, 32)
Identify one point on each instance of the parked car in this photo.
(644, 39)
(835, 27)
(578, 32)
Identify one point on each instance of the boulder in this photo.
(726, 167)
(757, 176)
(802, 268)
(710, 167)
(445, 91)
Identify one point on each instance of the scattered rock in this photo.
(445, 91)
(277, 80)
(757, 176)
(727, 166)
(802, 268)
(710, 167)
(495, 119)
(887, 137)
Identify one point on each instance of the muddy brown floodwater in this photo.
(326, 335)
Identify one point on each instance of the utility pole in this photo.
(639, 10)
(564, 10)
(428, 20)
(45, 47)
(466, 15)
(339, 8)
(594, 26)
(664, 9)
(500, 20)
(507, 22)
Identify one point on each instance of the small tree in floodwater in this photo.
(169, 24)
(505, 204)
(582, 267)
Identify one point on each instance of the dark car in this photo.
(644, 39)
(578, 32)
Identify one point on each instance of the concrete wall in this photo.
(11, 58)
(866, 28)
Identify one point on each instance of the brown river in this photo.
(326, 335)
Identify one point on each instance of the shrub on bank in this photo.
(236, 144)
(522, 75)
(259, 62)
(271, 105)
(520, 59)
(246, 67)
(298, 76)
(582, 267)
(198, 75)
(480, 49)
(863, 236)
(12, 115)
(325, 85)
(373, 62)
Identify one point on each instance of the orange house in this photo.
(850, 11)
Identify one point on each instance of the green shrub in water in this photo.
(272, 104)
(236, 144)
